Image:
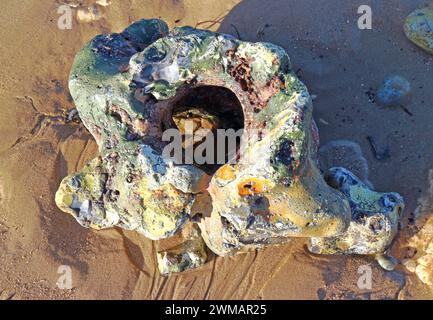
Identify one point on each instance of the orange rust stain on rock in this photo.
(253, 186)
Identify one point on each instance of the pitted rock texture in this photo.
(375, 218)
(129, 88)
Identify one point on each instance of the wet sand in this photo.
(339, 63)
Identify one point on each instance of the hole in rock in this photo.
(199, 114)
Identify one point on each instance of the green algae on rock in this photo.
(375, 218)
(418, 28)
(131, 88)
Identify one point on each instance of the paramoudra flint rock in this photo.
(129, 88)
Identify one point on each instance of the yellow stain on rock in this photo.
(253, 186)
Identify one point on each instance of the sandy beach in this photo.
(341, 66)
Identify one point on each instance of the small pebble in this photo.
(410, 265)
(89, 14)
(419, 28)
(386, 262)
(103, 3)
(394, 92)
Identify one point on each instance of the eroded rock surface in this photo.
(130, 88)
(374, 223)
